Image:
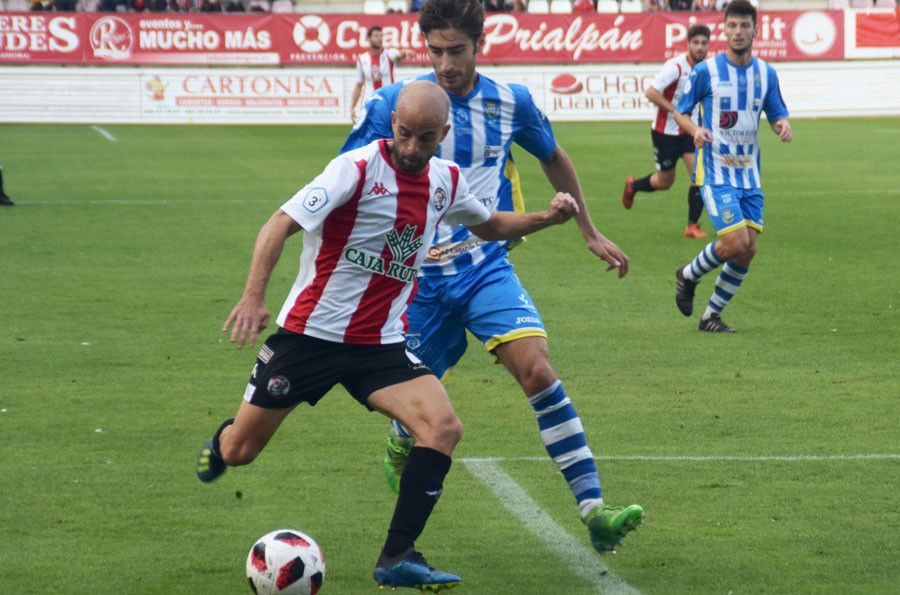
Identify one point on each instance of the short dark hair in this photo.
(740, 8)
(696, 30)
(375, 29)
(464, 15)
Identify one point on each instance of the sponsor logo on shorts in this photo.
(278, 386)
(413, 342)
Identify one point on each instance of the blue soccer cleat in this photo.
(209, 465)
(410, 569)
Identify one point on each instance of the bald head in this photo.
(420, 123)
(423, 103)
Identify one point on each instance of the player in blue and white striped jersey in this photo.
(468, 283)
(733, 89)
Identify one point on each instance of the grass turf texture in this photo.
(121, 261)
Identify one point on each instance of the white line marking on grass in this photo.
(581, 559)
(105, 134)
(707, 458)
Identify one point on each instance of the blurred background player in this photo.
(670, 141)
(733, 89)
(5, 201)
(468, 283)
(374, 69)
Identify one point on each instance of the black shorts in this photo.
(293, 368)
(669, 149)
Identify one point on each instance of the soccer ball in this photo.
(285, 562)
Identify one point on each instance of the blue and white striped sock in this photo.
(400, 430)
(727, 284)
(703, 263)
(563, 436)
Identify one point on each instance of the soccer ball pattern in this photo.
(285, 562)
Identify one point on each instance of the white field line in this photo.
(705, 458)
(105, 134)
(581, 559)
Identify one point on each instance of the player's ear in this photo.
(393, 119)
(479, 44)
(444, 132)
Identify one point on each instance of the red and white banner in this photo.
(878, 29)
(334, 40)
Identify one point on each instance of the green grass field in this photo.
(122, 259)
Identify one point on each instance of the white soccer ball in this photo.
(285, 562)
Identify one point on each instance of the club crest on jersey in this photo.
(315, 199)
(440, 199)
(491, 109)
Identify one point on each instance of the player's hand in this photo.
(783, 129)
(702, 136)
(609, 252)
(562, 208)
(249, 317)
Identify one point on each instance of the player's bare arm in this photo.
(783, 129)
(505, 225)
(561, 174)
(657, 99)
(250, 316)
(357, 92)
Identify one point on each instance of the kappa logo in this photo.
(378, 189)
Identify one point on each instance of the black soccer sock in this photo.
(215, 438)
(420, 488)
(695, 204)
(643, 184)
(1, 180)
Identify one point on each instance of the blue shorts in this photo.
(731, 208)
(487, 299)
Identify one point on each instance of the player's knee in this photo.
(537, 376)
(442, 434)
(665, 182)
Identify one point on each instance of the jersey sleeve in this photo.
(665, 77)
(466, 209)
(696, 89)
(360, 74)
(312, 204)
(393, 54)
(375, 123)
(773, 104)
(532, 130)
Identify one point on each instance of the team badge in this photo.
(727, 216)
(491, 109)
(278, 386)
(440, 199)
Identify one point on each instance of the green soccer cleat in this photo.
(209, 466)
(395, 459)
(608, 525)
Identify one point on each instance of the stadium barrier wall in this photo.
(305, 95)
(175, 39)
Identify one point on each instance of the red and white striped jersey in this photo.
(367, 228)
(375, 71)
(670, 83)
